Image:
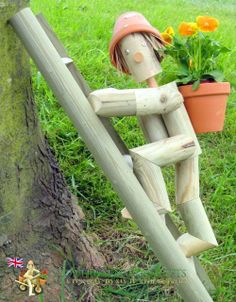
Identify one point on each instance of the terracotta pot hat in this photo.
(128, 23)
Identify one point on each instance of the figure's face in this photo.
(30, 265)
(140, 57)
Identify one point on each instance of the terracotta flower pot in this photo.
(42, 281)
(21, 275)
(128, 23)
(21, 278)
(206, 106)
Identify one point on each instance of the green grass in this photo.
(85, 28)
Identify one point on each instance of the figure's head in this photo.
(136, 47)
(30, 264)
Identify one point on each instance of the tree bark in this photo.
(39, 218)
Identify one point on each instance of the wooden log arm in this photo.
(145, 101)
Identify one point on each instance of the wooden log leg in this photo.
(151, 178)
(166, 151)
(187, 180)
(149, 175)
(106, 153)
(197, 222)
(178, 122)
(201, 236)
(194, 191)
(153, 127)
(187, 189)
(198, 267)
(154, 130)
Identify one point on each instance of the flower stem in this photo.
(199, 55)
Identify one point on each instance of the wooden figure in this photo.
(125, 46)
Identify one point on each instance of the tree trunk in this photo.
(39, 218)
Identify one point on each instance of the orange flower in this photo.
(207, 24)
(188, 28)
(168, 34)
(166, 38)
(170, 31)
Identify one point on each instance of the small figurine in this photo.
(32, 278)
(29, 276)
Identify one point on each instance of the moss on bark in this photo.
(38, 217)
(17, 121)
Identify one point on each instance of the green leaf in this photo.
(195, 85)
(183, 69)
(225, 49)
(185, 80)
(217, 75)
